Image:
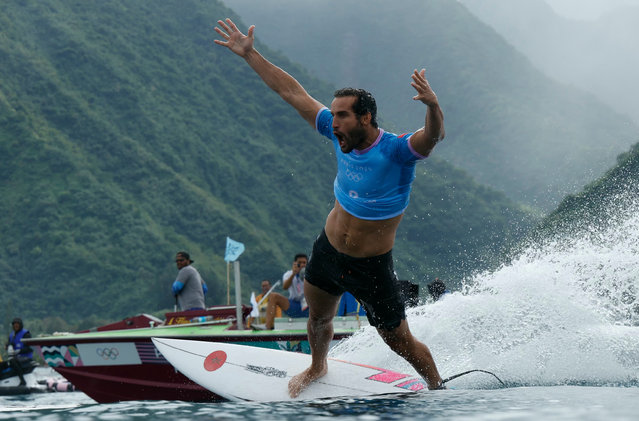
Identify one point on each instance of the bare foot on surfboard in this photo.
(301, 381)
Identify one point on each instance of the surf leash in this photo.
(472, 371)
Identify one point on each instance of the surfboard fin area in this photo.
(249, 373)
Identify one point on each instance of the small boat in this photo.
(34, 383)
(118, 362)
(10, 382)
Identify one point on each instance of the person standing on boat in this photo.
(292, 281)
(19, 353)
(375, 170)
(189, 287)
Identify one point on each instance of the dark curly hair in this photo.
(365, 102)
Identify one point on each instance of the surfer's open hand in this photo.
(235, 40)
(425, 93)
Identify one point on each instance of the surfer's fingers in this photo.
(232, 25)
(221, 33)
(224, 26)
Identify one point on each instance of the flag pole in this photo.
(238, 296)
(228, 284)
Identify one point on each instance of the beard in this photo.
(351, 140)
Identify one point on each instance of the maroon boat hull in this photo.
(108, 385)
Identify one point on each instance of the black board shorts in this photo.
(371, 280)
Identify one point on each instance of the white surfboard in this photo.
(248, 373)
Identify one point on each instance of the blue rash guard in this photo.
(373, 183)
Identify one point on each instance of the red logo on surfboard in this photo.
(215, 360)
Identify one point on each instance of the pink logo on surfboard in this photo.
(215, 360)
(388, 377)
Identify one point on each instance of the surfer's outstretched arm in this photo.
(275, 78)
(425, 139)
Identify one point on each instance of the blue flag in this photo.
(233, 250)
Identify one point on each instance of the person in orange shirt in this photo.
(266, 286)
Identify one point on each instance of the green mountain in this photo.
(127, 135)
(508, 125)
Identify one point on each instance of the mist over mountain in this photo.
(127, 135)
(598, 56)
(508, 124)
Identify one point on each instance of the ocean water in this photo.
(517, 403)
(559, 325)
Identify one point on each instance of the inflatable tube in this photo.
(59, 385)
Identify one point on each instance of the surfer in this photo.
(372, 187)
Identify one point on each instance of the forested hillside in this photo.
(607, 200)
(127, 135)
(508, 124)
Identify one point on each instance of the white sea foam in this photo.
(563, 312)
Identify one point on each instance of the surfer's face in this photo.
(348, 128)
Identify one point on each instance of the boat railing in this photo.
(229, 320)
(339, 322)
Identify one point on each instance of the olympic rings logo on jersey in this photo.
(107, 353)
(355, 176)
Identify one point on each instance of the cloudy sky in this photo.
(587, 9)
